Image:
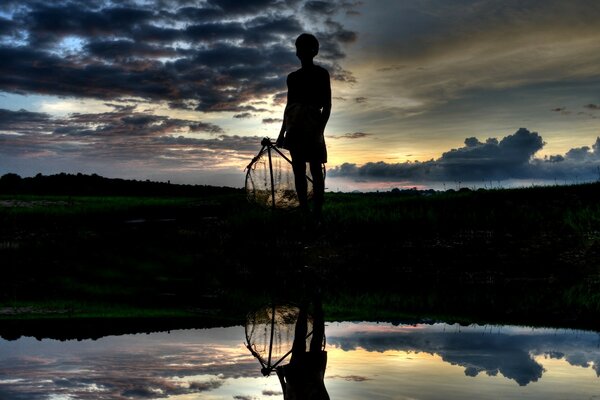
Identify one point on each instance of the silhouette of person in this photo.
(302, 378)
(304, 120)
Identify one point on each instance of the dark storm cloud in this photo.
(197, 14)
(242, 6)
(320, 7)
(214, 32)
(218, 55)
(122, 135)
(477, 160)
(25, 124)
(48, 23)
(222, 142)
(26, 70)
(24, 118)
(124, 49)
(509, 158)
(7, 27)
(9, 393)
(509, 354)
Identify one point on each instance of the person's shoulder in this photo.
(293, 77)
(321, 71)
(294, 74)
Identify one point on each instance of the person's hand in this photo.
(280, 140)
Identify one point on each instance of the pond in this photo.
(366, 360)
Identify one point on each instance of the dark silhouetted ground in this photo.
(529, 256)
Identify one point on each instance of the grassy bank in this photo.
(498, 255)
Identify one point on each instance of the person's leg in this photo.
(300, 333)
(299, 167)
(316, 342)
(316, 171)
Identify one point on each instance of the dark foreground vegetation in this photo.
(84, 263)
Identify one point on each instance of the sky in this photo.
(364, 360)
(425, 93)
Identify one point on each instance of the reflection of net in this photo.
(271, 339)
(283, 190)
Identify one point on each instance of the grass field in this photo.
(522, 255)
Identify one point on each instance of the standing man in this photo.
(306, 115)
(302, 378)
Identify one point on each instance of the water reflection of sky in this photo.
(366, 360)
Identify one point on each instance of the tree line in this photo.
(94, 185)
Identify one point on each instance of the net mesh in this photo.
(258, 180)
(258, 332)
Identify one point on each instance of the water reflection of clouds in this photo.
(215, 364)
(509, 352)
(134, 366)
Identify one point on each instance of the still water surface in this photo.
(365, 361)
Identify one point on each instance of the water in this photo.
(365, 361)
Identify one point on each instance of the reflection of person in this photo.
(302, 378)
(306, 115)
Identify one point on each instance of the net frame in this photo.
(269, 147)
(270, 363)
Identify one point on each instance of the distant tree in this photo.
(9, 182)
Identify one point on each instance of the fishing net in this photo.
(270, 334)
(270, 178)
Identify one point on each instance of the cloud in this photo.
(477, 160)
(213, 56)
(272, 393)
(562, 110)
(205, 386)
(464, 49)
(350, 378)
(352, 135)
(243, 115)
(272, 120)
(320, 7)
(509, 354)
(158, 368)
(512, 157)
(190, 362)
(124, 136)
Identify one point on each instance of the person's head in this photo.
(307, 46)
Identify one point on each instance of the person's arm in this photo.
(326, 112)
(281, 137)
(281, 376)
